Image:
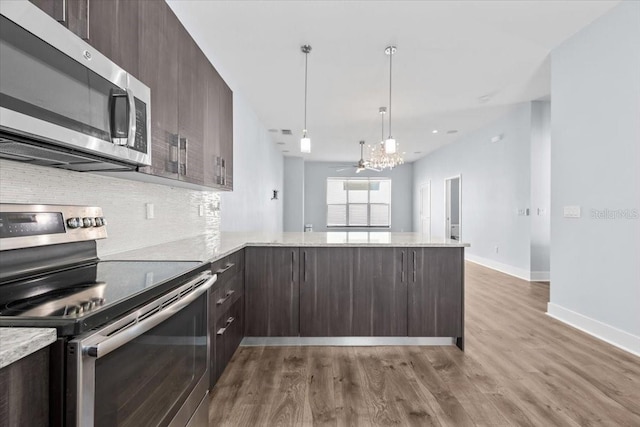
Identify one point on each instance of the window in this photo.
(358, 202)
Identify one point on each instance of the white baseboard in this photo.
(530, 276)
(614, 336)
(539, 276)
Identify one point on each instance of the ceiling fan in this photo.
(361, 165)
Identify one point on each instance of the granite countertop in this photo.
(16, 343)
(213, 246)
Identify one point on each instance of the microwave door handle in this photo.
(121, 338)
(131, 137)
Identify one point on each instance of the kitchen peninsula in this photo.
(334, 288)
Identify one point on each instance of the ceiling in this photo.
(459, 64)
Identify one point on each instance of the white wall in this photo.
(123, 203)
(495, 183)
(257, 171)
(315, 193)
(595, 164)
(540, 189)
(293, 194)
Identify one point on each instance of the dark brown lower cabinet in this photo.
(380, 292)
(228, 334)
(24, 391)
(435, 298)
(365, 291)
(326, 292)
(272, 292)
(226, 312)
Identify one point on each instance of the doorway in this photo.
(425, 209)
(453, 207)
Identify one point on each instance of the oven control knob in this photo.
(99, 222)
(88, 222)
(73, 222)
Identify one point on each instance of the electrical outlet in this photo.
(150, 211)
(572, 212)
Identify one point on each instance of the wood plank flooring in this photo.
(520, 367)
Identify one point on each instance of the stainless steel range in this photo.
(133, 346)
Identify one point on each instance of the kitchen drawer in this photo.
(229, 265)
(226, 294)
(228, 334)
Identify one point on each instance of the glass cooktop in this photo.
(90, 294)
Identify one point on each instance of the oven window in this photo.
(146, 381)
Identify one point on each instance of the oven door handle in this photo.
(126, 335)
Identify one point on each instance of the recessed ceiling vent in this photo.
(286, 132)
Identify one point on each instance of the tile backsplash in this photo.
(177, 210)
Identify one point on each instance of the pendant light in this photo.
(378, 158)
(305, 141)
(390, 143)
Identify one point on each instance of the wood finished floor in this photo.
(520, 367)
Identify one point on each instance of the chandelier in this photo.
(378, 157)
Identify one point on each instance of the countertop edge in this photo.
(244, 245)
(17, 342)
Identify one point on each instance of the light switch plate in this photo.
(150, 211)
(572, 212)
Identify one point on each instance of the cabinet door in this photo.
(158, 69)
(380, 292)
(211, 158)
(227, 336)
(113, 30)
(326, 292)
(73, 14)
(24, 395)
(272, 292)
(435, 299)
(226, 135)
(191, 108)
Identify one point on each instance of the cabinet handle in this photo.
(414, 266)
(293, 257)
(61, 12)
(225, 268)
(226, 297)
(224, 172)
(186, 155)
(402, 267)
(221, 331)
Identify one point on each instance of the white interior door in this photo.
(425, 209)
(452, 207)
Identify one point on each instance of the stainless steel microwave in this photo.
(63, 103)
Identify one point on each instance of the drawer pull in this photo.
(226, 297)
(230, 320)
(225, 268)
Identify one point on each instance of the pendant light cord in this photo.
(306, 57)
(390, 71)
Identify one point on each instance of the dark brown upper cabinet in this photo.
(192, 105)
(73, 14)
(113, 30)
(158, 64)
(272, 289)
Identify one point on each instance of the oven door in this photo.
(149, 368)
